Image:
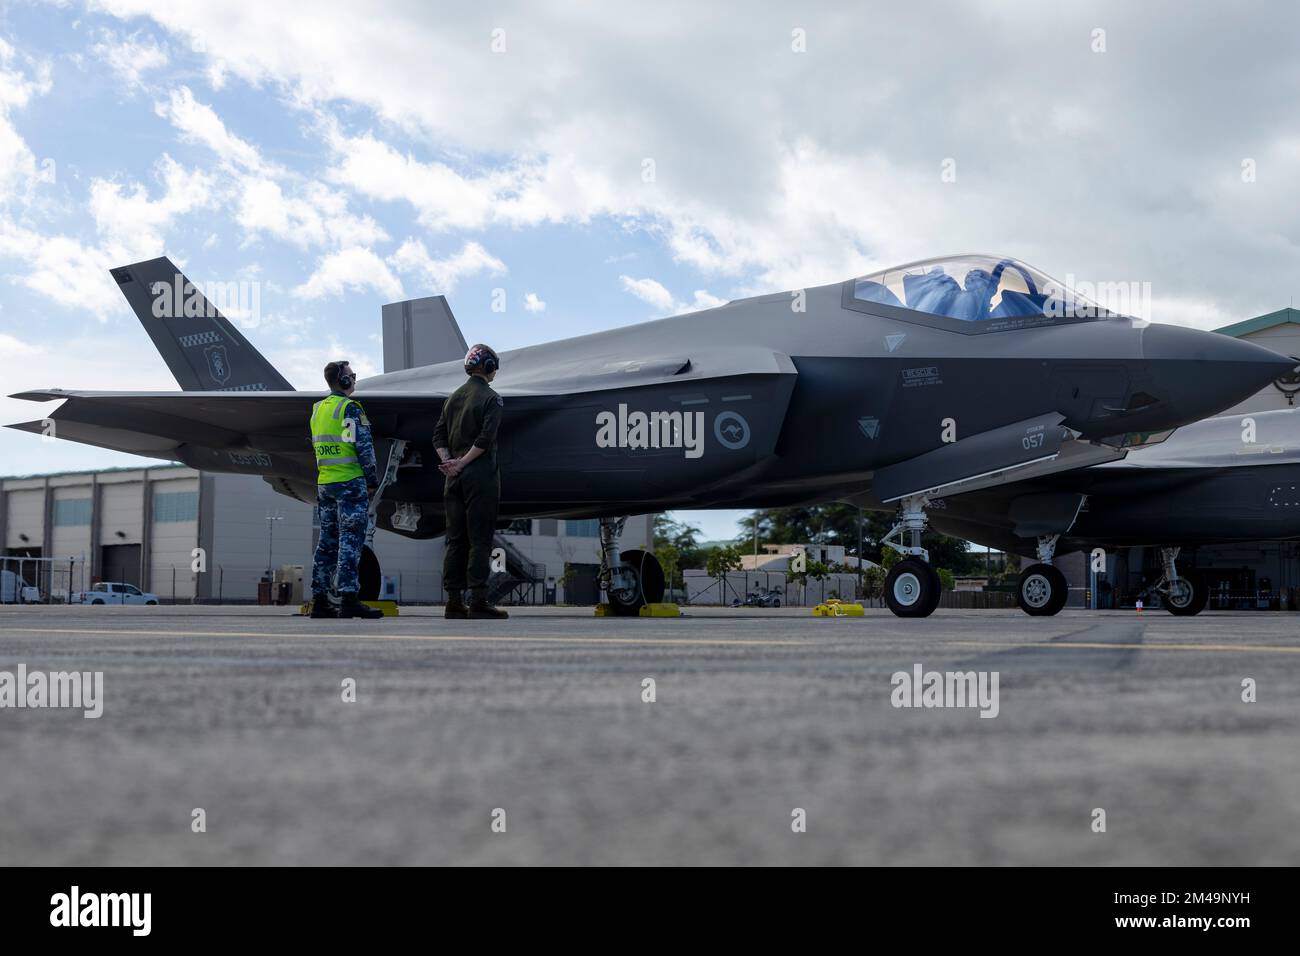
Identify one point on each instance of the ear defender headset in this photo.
(481, 358)
(346, 376)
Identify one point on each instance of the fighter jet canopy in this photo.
(972, 293)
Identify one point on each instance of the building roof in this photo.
(1261, 322)
(92, 471)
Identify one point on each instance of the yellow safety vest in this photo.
(336, 457)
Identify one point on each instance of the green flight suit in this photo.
(470, 417)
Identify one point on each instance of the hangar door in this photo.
(585, 586)
(120, 562)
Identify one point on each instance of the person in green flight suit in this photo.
(466, 442)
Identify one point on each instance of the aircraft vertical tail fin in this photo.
(199, 344)
(421, 332)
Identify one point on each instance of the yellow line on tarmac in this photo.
(1098, 645)
(704, 642)
(631, 639)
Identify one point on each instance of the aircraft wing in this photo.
(157, 424)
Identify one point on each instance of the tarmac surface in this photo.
(240, 711)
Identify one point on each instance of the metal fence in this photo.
(52, 578)
(732, 588)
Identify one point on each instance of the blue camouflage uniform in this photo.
(341, 508)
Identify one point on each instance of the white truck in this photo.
(112, 592)
(14, 590)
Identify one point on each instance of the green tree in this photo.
(684, 538)
(873, 583)
(566, 579)
(718, 562)
(670, 560)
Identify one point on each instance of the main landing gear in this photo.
(912, 587)
(631, 579)
(1042, 589)
(1182, 595)
(369, 576)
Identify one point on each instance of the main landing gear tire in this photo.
(1188, 597)
(369, 577)
(1041, 590)
(649, 587)
(912, 588)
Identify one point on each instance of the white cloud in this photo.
(199, 123)
(354, 268)
(444, 198)
(758, 178)
(527, 191)
(657, 295)
(13, 346)
(131, 58)
(442, 275)
(16, 87)
(62, 268)
(1196, 313)
(533, 303)
(17, 163)
(316, 216)
(18, 166)
(650, 291)
(269, 199)
(705, 300)
(132, 222)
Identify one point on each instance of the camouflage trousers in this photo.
(341, 508)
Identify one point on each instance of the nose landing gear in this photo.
(912, 587)
(630, 579)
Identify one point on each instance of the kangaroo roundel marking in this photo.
(731, 429)
(218, 366)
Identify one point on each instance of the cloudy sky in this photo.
(607, 163)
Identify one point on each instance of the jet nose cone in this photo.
(1204, 373)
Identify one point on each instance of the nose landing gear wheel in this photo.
(1189, 596)
(912, 588)
(649, 588)
(1042, 590)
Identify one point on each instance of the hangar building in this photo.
(142, 526)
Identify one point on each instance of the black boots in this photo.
(321, 606)
(456, 609)
(479, 608)
(349, 606)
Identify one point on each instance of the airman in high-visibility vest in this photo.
(346, 477)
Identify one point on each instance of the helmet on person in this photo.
(480, 358)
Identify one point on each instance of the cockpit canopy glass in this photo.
(998, 292)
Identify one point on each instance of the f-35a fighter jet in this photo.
(1220, 481)
(885, 391)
